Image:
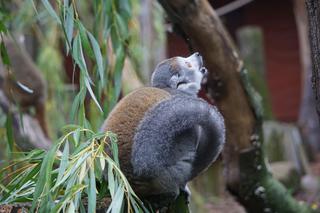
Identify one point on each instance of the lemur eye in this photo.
(188, 64)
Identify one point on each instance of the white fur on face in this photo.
(190, 76)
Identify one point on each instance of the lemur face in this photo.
(190, 74)
(185, 74)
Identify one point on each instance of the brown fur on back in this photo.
(125, 117)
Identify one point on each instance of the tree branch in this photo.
(313, 8)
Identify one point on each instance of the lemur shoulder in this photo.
(166, 134)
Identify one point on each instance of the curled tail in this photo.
(154, 149)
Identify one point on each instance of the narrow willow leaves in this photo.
(111, 22)
(62, 189)
(4, 54)
(9, 128)
(50, 10)
(77, 164)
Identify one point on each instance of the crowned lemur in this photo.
(166, 134)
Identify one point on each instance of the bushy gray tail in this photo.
(153, 144)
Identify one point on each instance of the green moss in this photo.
(260, 192)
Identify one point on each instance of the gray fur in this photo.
(178, 137)
(161, 76)
(176, 140)
(182, 74)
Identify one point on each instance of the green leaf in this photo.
(44, 179)
(92, 94)
(69, 24)
(82, 173)
(65, 3)
(70, 128)
(63, 162)
(98, 56)
(51, 11)
(122, 26)
(76, 137)
(67, 197)
(9, 128)
(115, 38)
(125, 8)
(114, 149)
(111, 181)
(92, 192)
(117, 201)
(73, 169)
(29, 176)
(84, 40)
(77, 54)
(3, 27)
(4, 54)
(78, 100)
(71, 208)
(120, 57)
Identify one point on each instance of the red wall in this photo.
(281, 54)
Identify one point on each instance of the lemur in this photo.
(23, 83)
(166, 134)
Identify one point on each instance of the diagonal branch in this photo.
(313, 8)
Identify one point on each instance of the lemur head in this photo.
(185, 74)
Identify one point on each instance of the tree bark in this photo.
(313, 9)
(308, 122)
(246, 174)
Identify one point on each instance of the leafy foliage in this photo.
(57, 181)
(72, 175)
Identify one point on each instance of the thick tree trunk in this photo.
(313, 8)
(246, 172)
(308, 122)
